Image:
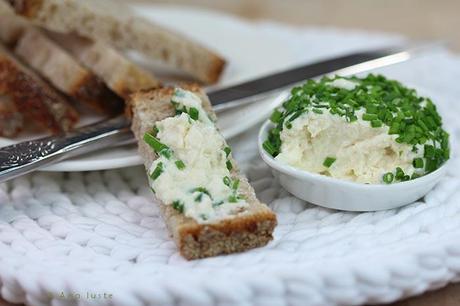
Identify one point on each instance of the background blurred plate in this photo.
(250, 53)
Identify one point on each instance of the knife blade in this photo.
(347, 64)
(28, 156)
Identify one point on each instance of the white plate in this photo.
(249, 51)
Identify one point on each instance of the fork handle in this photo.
(27, 156)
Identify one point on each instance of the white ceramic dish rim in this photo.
(305, 175)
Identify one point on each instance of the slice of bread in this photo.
(120, 74)
(11, 27)
(64, 72)
(11, 121)
(114, 23)
(194, 240)
(33, 96)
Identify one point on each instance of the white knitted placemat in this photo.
(96, 237)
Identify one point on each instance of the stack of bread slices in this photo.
(59, 56)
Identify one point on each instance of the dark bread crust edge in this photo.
(194, 240)
(92, 91)
(33, 96)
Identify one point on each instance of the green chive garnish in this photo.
(229, 165)
(370, 117)
(227, 151)
(388, 177)
(180, 164)
(276, 116)
(193, 113)
(329, 161)
(157, 172)
(157, 146)
(236, 184)
(268, 146)
(376, 123)
(227, 181)
(418, 163)
(178, 205)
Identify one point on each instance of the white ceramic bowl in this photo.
(345, 195)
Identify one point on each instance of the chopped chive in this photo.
(202, 190)
(329, 161)
(268, 147)
(229, 165)
(388, 177)
(157, 172)
(227, 181)
(376, 123)
(193, 113)
(370, 117)
(399, 173)
(236, 184)
(180, 164)
(157, 146)
(276, 116)
(233, 198)
(227, 151)
(215, 204)
(178, 205)
(418, 163)
(317, 111)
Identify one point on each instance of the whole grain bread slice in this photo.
(64, 72)
(33, 96)
(120, 74)
(194, 240)
(114, 23)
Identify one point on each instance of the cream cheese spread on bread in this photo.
(193, 171)
(368, 130)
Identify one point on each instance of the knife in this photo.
(353, 63)
(28, 156)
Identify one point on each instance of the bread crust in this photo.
(120, 74)
(114, 23)
(63, 71)
(33, 96)
(248, 230)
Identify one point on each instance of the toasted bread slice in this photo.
(63, 71)
(114, 23)
(120, 74)
(195, 240)
(11, 121)
(11, 26)
(33, 96)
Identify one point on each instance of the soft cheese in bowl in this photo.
(355, 143)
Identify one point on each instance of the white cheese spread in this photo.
(362, 153)
(195, 178)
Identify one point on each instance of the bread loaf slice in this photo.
(11, 121)
(33, 96)
(64, 72)
(120, 74)
(11, 26)
(114, 23)
(196, 240)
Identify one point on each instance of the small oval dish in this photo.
(345, 195)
